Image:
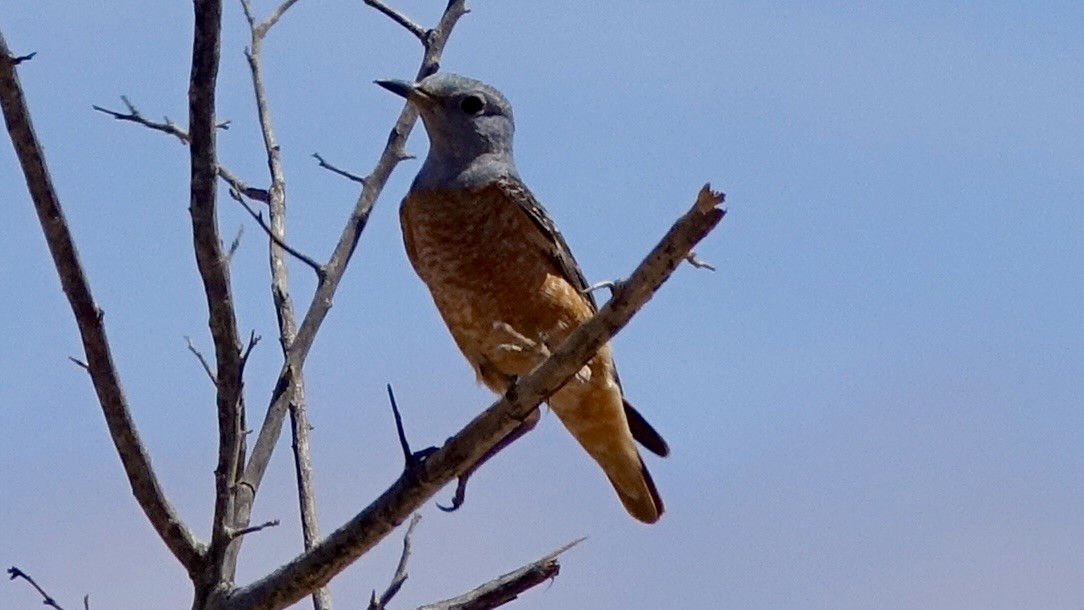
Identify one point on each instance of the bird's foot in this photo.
(520, 343)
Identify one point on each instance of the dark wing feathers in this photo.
(554, 242)
(644, 433)
(561, 255)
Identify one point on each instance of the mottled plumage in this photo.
(505, 281)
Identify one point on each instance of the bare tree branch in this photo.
(279, 241)
(418, 31)
(255, 528)
(280, 291)
(316, 567)
(507, 587)
(166, 126)
(203, 361)
(216, 279)
(88, 317)
(331, 168)
(17, 573)
(321, 301)
(400, 576)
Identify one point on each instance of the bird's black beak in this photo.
(401, 88)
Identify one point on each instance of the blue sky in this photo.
(874, 402)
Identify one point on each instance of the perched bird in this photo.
(503, 277)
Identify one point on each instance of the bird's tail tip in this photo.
(639, 495)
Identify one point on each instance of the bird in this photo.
(504, 280)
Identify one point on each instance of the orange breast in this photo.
(485, 262)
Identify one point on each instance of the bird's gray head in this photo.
(470, 129)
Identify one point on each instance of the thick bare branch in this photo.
(334, 269)
(214, 272)
(99, 359)
(507, 587)
(316, 567)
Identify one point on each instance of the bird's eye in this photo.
(473, 105)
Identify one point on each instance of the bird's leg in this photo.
(524, 427)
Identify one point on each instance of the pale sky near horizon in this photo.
(875, 402)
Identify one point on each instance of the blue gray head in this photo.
(470, 130)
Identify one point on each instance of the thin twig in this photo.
(418, 31)
(408, 456)
(400, 576)
(274, 17)
(235, 244)
(507, 587)
(341, 172)
(258, 217)
(314, 568)
(79, 363)
(255, 528)
(165, 126)
(46, 598)
(253, 340)
(20, 59)
(99, 360)
(699, 263)
(203, 361)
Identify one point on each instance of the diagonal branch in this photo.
(314, 568)
(99, 359)
(334, 269)
(342, 172)
(275, 238)
(214, 272)
(15, 572)
(411, 26)
(507, 587)
(400, 576)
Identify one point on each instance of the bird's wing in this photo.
(551, 240)
(548, 237)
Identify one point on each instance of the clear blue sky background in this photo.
(875, 402)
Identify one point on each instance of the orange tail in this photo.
(634, 487)
(597, 418)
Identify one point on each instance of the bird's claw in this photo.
(459, 497)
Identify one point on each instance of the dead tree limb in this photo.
(89, 318)
(507, 587)
(280, 289)
(400, 575)
(215, 275)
